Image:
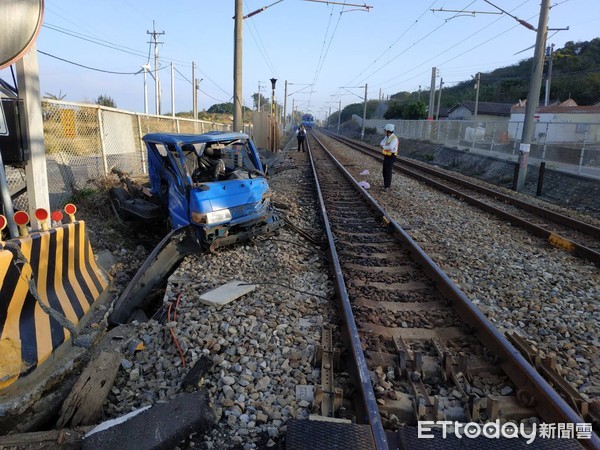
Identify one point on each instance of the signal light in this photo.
(3, 223)
(42, 216)
(21, 218)
(57, 217)
(71, 209)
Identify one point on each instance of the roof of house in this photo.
(488, 108)
(568, 107)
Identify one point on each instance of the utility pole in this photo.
(172, 90)
(533, 96)
(237, 68)
(432, 94)
(328, 117)
(194, 92)
(285, 106)
(478, 79)
(155, 41)
(437, 114)
(146, 68)
(549, 76)
(419, 94)
(362, 132)
(339, 116)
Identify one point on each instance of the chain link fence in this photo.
(84, 142)
(568, 146)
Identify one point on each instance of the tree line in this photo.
(575, 75)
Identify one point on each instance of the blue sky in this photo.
(333, 48)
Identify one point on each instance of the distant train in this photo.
(308, 120)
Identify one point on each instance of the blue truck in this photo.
(210, 189)
(214, 183)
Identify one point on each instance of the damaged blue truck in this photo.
(210, 189)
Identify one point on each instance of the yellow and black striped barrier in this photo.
(48, 282)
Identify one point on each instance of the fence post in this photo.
(516, 138)
(587, 129)
(102, 145)
(545, 142)
(142, 146)
(459, 135)
(493, 137)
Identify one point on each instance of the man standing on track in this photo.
(301, 135)
(389, 144)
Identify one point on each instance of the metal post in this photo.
(362, 132)
(145, 90)
(477, 96)
(339, 116)
(533, 97)
(285, 106)
(545, 142)
(7, 202)
(102, 142)
(194, 93)
(237, 68)
(273, 82)
(172, 90)
(540, 184)
(587, 130)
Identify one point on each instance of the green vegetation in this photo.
(575, 75)
(106, 100)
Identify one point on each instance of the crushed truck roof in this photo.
(211, 136)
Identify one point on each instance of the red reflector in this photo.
(41, 214)
(2, 222)
(70, 208)
(57, 216)
(21, 218)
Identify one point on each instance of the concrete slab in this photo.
(162, 426)
(226, 293)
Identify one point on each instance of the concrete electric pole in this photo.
(533, 96)
(477, 80)
(362, 132)
(238, 124)
(432, 94)
(155, 41)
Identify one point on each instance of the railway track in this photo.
(574, 235)
(419, 349)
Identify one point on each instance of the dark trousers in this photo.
(388, 167)
(301, 144)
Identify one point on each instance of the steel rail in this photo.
(532, 387)
(578, 225)
(554, 238)
(369, 403)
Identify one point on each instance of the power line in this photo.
(89, 67)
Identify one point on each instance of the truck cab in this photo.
(214, 183)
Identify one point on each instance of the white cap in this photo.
(389, 127)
